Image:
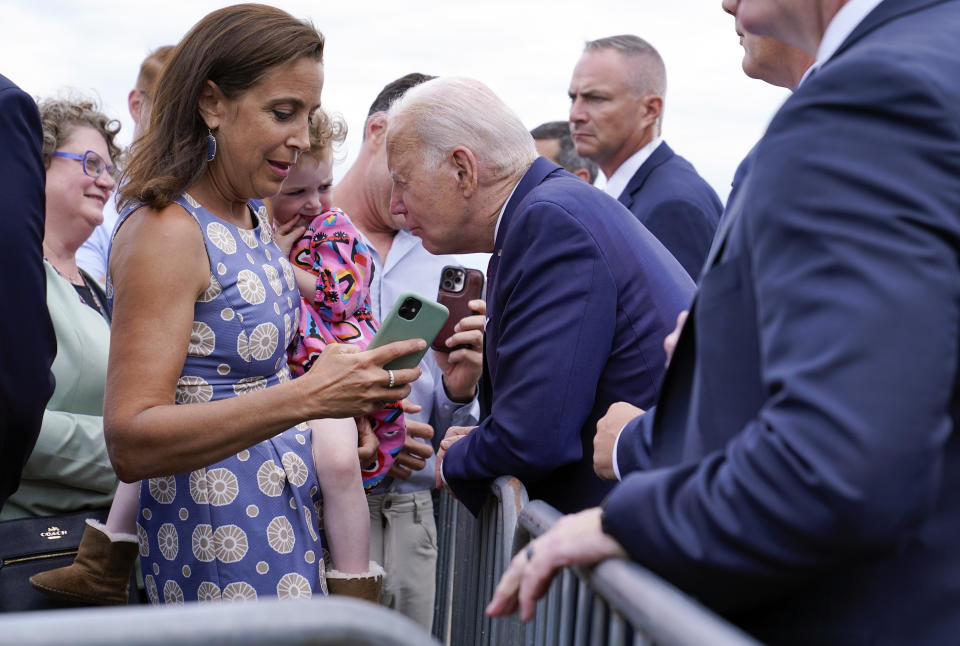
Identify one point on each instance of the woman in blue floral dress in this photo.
(199, 403)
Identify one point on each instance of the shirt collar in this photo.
(621, 177)
(839, 29)
(496, 229)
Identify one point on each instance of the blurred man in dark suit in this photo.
(25, 329)
(798, 471)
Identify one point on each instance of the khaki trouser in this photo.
(403, 538)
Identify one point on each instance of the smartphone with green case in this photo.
(412, 317)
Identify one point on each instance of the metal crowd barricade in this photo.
(473, 552)
(603, 604)
(333, 621)
(615, 603)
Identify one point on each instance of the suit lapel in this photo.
(733, 208)
(660, 154)
(538, 171)
(884, 12)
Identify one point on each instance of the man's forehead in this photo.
(604, 67)
(401, 139)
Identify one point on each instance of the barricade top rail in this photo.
(271, 622)
(646, 601)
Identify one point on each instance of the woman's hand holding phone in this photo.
(345, 382)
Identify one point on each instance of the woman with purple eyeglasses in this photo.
(69, 469)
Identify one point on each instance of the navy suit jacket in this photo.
(27, 336)
(579, 298)
(801, 470)
(676, 205)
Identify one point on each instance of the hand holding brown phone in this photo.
(458, 286)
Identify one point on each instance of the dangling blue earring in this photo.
(211, 145)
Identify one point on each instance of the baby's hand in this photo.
(286, 234)
(367, 441)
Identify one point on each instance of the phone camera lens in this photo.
(447, 284)
(409, 308)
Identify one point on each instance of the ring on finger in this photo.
(393, 381)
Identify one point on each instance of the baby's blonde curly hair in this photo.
(61, 116)
(326, 130)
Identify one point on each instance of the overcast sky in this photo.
(524, 50)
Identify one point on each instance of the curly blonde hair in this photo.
(61, 116)
(326, 130)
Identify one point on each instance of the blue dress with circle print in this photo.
(245, 527)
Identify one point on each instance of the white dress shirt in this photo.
(621, 177)
(841, 26)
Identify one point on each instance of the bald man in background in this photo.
(553, 141)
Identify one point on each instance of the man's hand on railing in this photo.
(577, 539)
(413, 454)
(605, 439)
(454, 434)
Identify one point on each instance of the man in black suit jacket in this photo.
(25, 329)
(799, 470)
(616, 111)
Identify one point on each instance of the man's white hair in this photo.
(448, 112)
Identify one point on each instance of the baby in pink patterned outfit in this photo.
(338, 311)
(333, 269)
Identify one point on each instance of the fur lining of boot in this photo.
(100, 573)
(362, 585)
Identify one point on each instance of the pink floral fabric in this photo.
(339, 312)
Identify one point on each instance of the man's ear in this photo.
(134, 104)
(212, 105)
(465, 164)
(653, 106)
(375, 129)
(583, 174)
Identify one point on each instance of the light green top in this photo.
(69, 469)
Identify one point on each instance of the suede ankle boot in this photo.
(365, 585)
(99, 575)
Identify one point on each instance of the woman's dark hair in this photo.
(233, 47)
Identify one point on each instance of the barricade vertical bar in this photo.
(498, 629)
(488, 528)
(446, 540)
(598, 620)
(464, 627)
(568, 603)
(540, 624)
(552, 614)
(581, 615)
(617, 635)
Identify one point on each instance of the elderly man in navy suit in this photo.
(25, 329)
(616, 113)
(799, 471)
(579, 294)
